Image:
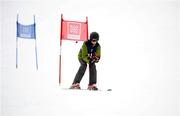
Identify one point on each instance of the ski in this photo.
(85, 89)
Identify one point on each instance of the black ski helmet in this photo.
(94, 35)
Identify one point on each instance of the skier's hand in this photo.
(96, 58)
(93, 58)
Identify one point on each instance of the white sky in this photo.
(140, 59)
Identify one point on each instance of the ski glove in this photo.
(93, 58)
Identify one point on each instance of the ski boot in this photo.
(92, 87)
(75, 86)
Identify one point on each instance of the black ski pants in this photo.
(81, 71)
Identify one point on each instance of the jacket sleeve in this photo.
(85, 53)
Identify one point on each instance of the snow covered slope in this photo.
(139, 61)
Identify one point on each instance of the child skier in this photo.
(89, 54)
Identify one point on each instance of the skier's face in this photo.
(94, 41)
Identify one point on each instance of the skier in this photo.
(89, 54)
